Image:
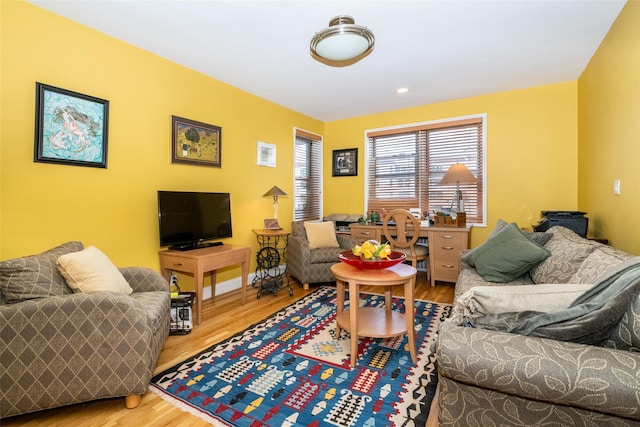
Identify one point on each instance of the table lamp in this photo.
(275, 192)
(457, 174)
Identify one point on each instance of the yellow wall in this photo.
(115, 209)
(609, 133)
(531, 152)
(532, 143)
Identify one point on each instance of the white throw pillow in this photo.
(481, 300)
(321, 234)
(90, 270)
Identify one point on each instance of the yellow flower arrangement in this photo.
(372, 250)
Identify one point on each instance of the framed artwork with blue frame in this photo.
(71, 128)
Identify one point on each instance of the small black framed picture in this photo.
(345, 162)
(71, 128)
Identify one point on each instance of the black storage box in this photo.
(573, 220)
(181, 315)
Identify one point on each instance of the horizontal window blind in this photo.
(307, 177)
(405, 166)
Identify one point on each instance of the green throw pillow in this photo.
(506, 255)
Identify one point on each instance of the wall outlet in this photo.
(616, 187)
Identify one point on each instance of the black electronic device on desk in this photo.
(573, 220)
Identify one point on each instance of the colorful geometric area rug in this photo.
(291, 370)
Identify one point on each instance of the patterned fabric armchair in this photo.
(60, 347)
(312, 265)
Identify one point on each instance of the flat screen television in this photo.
(191, 220)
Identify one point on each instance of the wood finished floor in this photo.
(222, 317)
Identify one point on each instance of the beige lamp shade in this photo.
(275, 192)
(458, 174)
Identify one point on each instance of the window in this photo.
(307, 181)
(405, 166)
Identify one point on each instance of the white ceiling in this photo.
(439, 49)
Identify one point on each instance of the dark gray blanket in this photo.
(590, 319)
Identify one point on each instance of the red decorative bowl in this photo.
(349, 258)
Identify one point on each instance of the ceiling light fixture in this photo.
(402, 90)
(342, 43)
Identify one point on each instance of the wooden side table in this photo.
(272, 254)
(374, 321)
(197, 262)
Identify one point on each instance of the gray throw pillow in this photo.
(35, 276)
(506, 255)
(537, 236)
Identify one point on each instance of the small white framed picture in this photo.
(266, 154)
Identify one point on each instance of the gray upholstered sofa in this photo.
(60, 347)
(313, 265)
(489, 377)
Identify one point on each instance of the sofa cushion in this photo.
(505, 256)
(321, 234)
(35, 276)
(469, 277)
(568, 251)
(597, 263)
(90, 270)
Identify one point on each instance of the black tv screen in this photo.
(188, 219)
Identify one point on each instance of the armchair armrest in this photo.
(144, 279)
(298, 253)
(594, 378)
(346, 241)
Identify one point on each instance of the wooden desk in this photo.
(375, 321)
(197, 262)
(445, 246)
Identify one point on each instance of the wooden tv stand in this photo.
(197, 262)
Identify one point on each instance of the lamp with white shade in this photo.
(458, 174)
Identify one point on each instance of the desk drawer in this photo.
(362, 234)
(446, 272)
(178, 263)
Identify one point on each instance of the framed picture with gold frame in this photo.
(195, 143)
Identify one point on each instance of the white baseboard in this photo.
(230, 285)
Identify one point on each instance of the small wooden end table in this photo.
(271, 260)
(374, 321)
(197, 262)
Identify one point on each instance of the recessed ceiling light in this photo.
(402, 90)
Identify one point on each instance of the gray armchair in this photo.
(312, 265)
(60, 347)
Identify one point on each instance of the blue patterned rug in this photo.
(290, 370)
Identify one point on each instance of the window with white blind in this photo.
(405, 166)
(307, 181)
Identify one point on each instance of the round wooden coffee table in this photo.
(375, 322)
